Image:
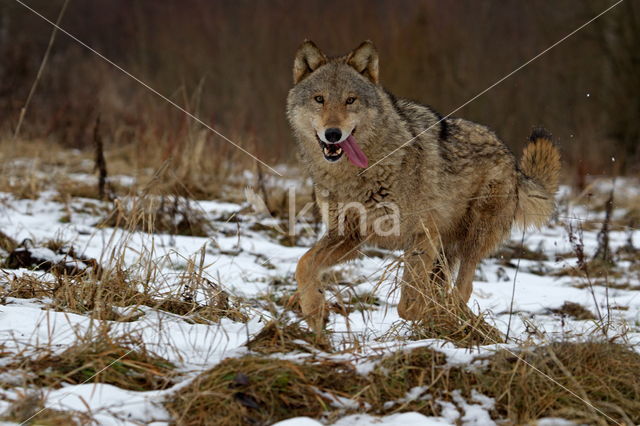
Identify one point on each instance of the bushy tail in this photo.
(537, 180)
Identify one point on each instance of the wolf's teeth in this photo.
(328, 153)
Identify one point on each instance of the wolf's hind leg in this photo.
(480, 241)
(326, 253)
(464, 282)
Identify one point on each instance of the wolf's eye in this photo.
(350, 100)
(319, 99)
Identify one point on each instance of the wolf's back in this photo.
(537, 180)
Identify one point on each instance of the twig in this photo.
(583, 265)
(602, 252)
(23, 111)
(513, 287)
(100, 162)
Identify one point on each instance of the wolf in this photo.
(455, 185)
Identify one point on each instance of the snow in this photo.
(110, 405)
(253, 264)
(475, 414)
(404, 419)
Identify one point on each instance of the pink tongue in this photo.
(354, 153)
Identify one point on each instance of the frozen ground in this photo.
(253, 264)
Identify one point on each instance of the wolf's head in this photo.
(334, 103)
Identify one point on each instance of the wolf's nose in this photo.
(333, 134)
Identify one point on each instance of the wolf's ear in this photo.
(308, 59)
(365, 60)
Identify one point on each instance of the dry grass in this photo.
(457, 323)
(24, 409)
(84, 294)
(594, 268)
(540, 383)
(260, 390)
(166, 215)
(395, 375)
(574, 310)
(604, 374)
(21, 183)
(43, 258)
(278, 337)
(99, 357)
(443, 315)
(98, 295)
(68, 189)
(7, 244)
(219, 304)
(508, 252)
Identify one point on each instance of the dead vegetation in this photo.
(457, 323)
(277, 337)
(443, 315)
(508, 252)
(588, 382)
(167, 215)
(584, 382)
(575, 311)
(21, 180)
(67, 189)
(7, 244)
(260, 390)
(53, 256)
(101, 295)
(98, 356)
(27, 406)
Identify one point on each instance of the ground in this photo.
(104, 322)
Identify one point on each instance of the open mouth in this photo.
(332, 151)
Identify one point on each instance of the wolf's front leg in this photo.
(326, 253)
(416, 292)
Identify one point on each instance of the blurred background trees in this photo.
(229, 62)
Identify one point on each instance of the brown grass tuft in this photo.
(397, 374)
(602, 374)
(99, 357)
(508, 252)
(96, 296)
(260, 390)
(445, 316)
(574, 310)
(84, 294)
(23, 411)
(464, 328)
(278, 337)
